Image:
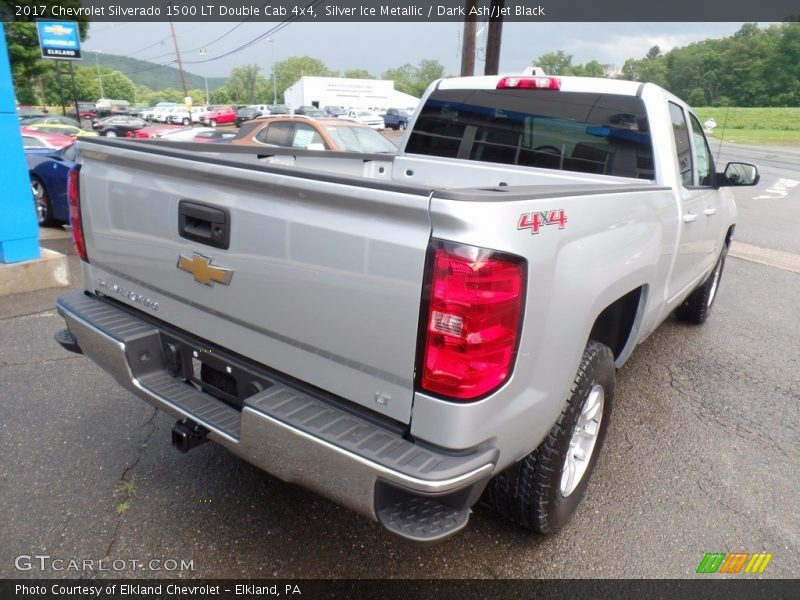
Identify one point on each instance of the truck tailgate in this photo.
(325, 277)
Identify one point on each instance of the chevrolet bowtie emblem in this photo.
(204, 272)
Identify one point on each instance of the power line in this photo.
(268, 33)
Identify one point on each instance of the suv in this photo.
(396, 118)
(219, 115)
(312, 134)
(251, 112)
(181, 115)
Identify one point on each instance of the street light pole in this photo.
(203, 52)
(274, 80)
(99, 78)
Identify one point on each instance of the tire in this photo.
(395, 127)
(543, 490)
(403, 126)
(212, 123)
(697, 307)
(42, 204)
(185, 122)
(110, 133)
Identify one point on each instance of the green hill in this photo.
(152, 75)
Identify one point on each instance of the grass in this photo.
(759, 126)
(123, 507)
(129, 487)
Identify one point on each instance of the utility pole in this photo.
(492, 66)
(178, 56)
(99, 78)
(468, 43)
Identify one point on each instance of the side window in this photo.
(682, 145)
(702, 154)
(305, 136)
(277, 134)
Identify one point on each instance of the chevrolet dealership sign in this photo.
(59, 39)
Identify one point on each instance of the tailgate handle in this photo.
(204, 223)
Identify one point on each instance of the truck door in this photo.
(696, 244)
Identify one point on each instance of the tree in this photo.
(413, 80)
(403, 77)
(242, 84)
(358, 74)
(556, 63)
(221, 95)
(289, 71)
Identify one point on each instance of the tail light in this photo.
(473, 321)
(73, 194)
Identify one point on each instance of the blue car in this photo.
(49, 170)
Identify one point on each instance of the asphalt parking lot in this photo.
(701, 457)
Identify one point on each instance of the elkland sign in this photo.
(59, 39)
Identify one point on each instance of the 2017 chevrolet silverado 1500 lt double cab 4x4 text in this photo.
(406, 333)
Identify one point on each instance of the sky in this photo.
(381, 46)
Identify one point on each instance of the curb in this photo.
(28, 276)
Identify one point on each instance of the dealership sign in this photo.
(59, 39)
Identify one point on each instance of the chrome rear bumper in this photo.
(416, 491)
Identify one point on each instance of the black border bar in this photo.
(598, 11)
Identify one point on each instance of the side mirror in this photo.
(738, 174)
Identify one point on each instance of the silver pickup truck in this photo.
(406, 334)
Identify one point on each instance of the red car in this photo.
(154, 131)
(32, 138)
(219, 115)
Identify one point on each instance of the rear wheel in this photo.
(110, 133)
(696, 308)
(41, 201)
(543, 490)
(185, 122)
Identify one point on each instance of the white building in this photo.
(338, 91)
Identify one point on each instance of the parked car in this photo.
(33, 138)
(278, 109)
(251, 112)
(367, 117)
(220, 115)
(396, 118)
(158, 110)
(118, 126)
(181, 115)
(44, 120)
(312, 134)
(61, 129)
(317, 113)
(49, 169)
(197, 134)
(154, 131)
(336, 111)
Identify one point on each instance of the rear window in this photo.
(571, 131)
(359, 139)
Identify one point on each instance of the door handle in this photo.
(204, 223)
(710, 211)
(689, 218)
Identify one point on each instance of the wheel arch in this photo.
(618, 324)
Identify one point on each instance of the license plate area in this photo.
(211, 371)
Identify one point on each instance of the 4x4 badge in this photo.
(204, 272)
